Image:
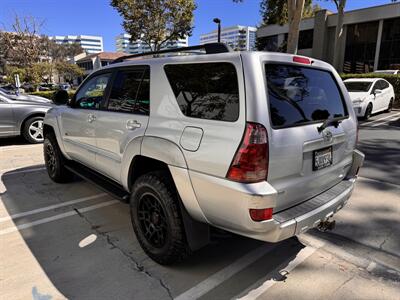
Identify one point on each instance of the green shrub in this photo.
(50, 94)
(393, 79)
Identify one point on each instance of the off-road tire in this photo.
(55, 160)
(368, 112)
(158, 189)
(28, 130)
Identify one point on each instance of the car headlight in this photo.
(358, 100)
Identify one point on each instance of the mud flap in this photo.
(197, 233)
(358, 160)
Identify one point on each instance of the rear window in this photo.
(302, 95)
(205, 90)
(358, 86)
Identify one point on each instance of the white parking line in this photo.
(380, 119)
(301, 256)
(7, 148)
(384, 121)
(56, 217)
(216, 279)
(50, 207)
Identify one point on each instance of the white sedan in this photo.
(370, 95)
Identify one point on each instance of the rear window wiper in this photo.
(329, 122)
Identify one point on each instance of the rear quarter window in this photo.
(205, 90)
(302, 95)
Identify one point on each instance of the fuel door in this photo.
(191, 138)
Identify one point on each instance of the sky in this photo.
(97, 17)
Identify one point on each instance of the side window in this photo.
(205, 90)
(130, 92)
(91, 94)
(376, 87)
(384, 84)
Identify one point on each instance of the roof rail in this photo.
(210, 48)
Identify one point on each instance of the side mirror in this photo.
(61, 97)
(378, 92)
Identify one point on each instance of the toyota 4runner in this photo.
(256, 143)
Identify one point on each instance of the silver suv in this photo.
(260, 144)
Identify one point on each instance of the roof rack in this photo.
(210, 48)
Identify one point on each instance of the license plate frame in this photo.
(322, 158)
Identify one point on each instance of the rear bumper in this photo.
(226, 205)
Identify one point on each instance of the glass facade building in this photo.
(371, 38)
(89, 43)
(123, 44)
(238, 37)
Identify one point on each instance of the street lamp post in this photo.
(218, 21)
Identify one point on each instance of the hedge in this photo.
(393, 79)
(50, 94)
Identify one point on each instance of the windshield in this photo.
(358, 86)
(302, 95)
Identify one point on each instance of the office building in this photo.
(123, 44)
(371, 38)
(89, 43)
(238, 37)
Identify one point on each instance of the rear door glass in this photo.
(205, 90)
(302, 95)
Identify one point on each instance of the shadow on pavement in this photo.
(13, 141)
(114, 266)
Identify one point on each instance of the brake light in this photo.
(301, 60)
(250, 163)
(259, 215)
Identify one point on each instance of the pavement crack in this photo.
(136, 265)
(343, 284)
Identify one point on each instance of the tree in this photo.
(340, 4)
(23, 46)
(295, 10)
(69, 71)
(276, 11)
(156, 22)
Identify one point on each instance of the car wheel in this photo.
(156, 218)
(390, 106)
(368, 112)
(55, 161)
(33, 130)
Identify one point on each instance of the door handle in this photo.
(91, 118)
(133, 124)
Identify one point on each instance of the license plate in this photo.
(322, 158)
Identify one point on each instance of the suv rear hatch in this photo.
(305, 159)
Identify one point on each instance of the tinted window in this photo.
(384, 84)
(91, 94)
(358, 86)
(130, 92)
(300, 95)
(206, 91)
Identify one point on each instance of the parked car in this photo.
(222, 139)
(393, 72)
(370, 95)
(47, 87)
(23, 117)
(64, 86)
(9, 89)
(24, 97)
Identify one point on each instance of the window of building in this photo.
(87, 65)
(205, 90)
(130, 91)
(306, 38)
(360, 47)
(91, 94)
(389, 54)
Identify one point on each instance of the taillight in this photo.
(262, 214)
(301, 60)
(250, 163)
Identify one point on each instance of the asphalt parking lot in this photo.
(73, 241)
